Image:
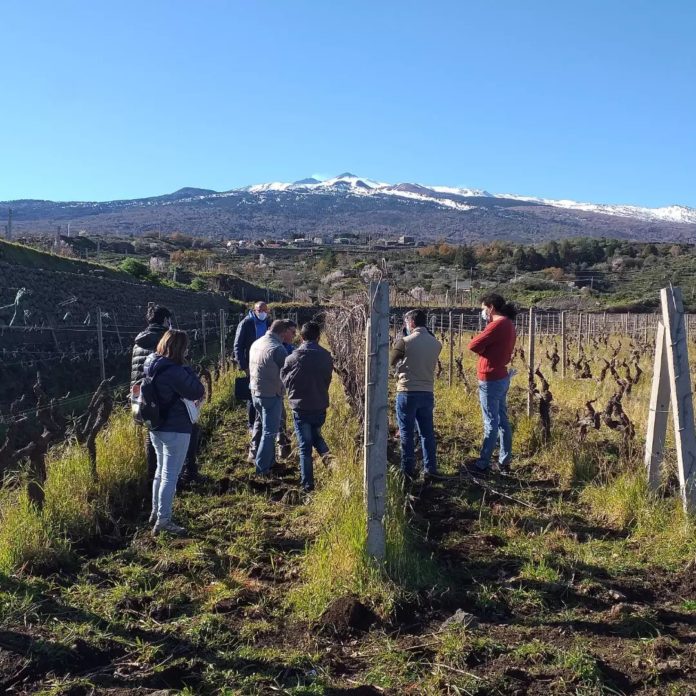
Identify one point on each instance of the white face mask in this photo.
(484, 315)
(262, 315)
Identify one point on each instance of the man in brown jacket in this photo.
(415, 358)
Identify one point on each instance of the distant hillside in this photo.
(349, 203)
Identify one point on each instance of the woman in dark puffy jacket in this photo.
(173, 381)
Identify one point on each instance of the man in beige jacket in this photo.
(414, 357)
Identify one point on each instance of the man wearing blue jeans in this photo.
(266, 358)
(414, 357)
(307, 376)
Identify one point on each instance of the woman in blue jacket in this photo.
(173, 381)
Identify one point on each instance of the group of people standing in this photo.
(265, 351)
(414, 358)
(275, 367)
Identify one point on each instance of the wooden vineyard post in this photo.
(205, 345)
(530, 357)
(579, 334)
(451, 351)
(376, 418)
(564, 345)
(223, 332)
(118, 333)
(658, 410)
(100, 340)
(671, 340)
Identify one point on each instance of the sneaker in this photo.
(308, 488)
(170, 528)
(504, 469)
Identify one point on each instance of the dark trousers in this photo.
(251, 414)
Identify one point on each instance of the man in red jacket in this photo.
(495, 346)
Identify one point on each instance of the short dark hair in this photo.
(156, 314)
(311, 331)
(280, 326)
(417, 316)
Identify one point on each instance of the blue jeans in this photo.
(416, 409)
(308, 430)
(496, 426)
(171, 449)
(271, 409)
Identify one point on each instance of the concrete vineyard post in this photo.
(530, 357)
(656, 431)
(376, 418)
(681, 393)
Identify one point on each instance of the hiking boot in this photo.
(475, 468)
(169, 527)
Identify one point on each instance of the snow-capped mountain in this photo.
(450, 197)
(349, 202)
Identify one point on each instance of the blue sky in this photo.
(591, 100)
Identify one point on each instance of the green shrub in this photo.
(135, 268)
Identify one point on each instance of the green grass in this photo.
(336, 563)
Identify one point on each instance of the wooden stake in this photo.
(530, 357)
(451, 350)
(564, 345)
(205, 344)
(223, 332)
(100, 340)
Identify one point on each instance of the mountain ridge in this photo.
(360, 204)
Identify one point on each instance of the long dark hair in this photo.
(507, 309)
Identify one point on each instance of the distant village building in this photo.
(319, 241)
(406, 239)
(159, 263)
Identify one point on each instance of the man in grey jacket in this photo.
(307, 376)
(415, 359)
(266, 358)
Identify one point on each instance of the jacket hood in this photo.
(149, 338)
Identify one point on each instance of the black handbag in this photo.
(241, 389)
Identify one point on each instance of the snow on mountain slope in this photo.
(451, 197)
(671, 213)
